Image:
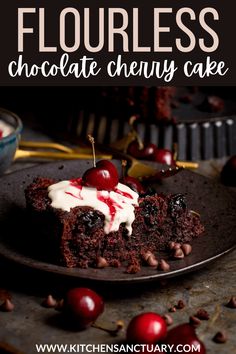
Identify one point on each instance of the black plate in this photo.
(216, 204)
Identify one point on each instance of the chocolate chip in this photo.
(152, 261)
(202, 314)
(146, 255)
(187, 249)
(101, 262)
(168, 319)
(178, 254)
(232, 303)
(194, 321)
(174, 245)
(49, 302)
(163, 265)
(220, 337)
(180, 305)
(60, 305)
(7, 306)
(172, 309)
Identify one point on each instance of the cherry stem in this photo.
(123, 164)
(92, 141)
(112, 332)
(175, 151)
(131, 124)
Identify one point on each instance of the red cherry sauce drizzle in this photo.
(112, 205)
(77, 183)
(124, 194)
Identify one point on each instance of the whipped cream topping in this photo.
(117, 206)
(5, 129)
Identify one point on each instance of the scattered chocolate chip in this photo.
(220, 337)
(232, 303)
(202, 314)
(60, 304)
(174, 245)
(180, 305)
(101, 262)
(7, 306)
(146, 255)
(152, 261)
(49, 302)
(178, 254)
(187, 249)
(172, 309)
(194, 321)
(163, 265)
(168, 319)
(61, 167)
(171, 245)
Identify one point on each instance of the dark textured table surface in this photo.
(30, 323)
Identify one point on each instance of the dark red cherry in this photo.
(228, 173)
(83, 306)
(146, 328)
(164, 156)
(133, 183)
(184, 334)
(108, 165)
(1, 133)
(147, 153)
(103, 177)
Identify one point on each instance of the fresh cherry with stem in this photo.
(103, 175)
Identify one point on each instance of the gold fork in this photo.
(65, 152)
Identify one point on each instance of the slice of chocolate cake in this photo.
(86, 226)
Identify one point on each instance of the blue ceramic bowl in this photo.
(9, 143)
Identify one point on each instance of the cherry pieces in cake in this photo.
(184, 334)
(83, 306)
(228, 173)
(103, 177)
(146, 328)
